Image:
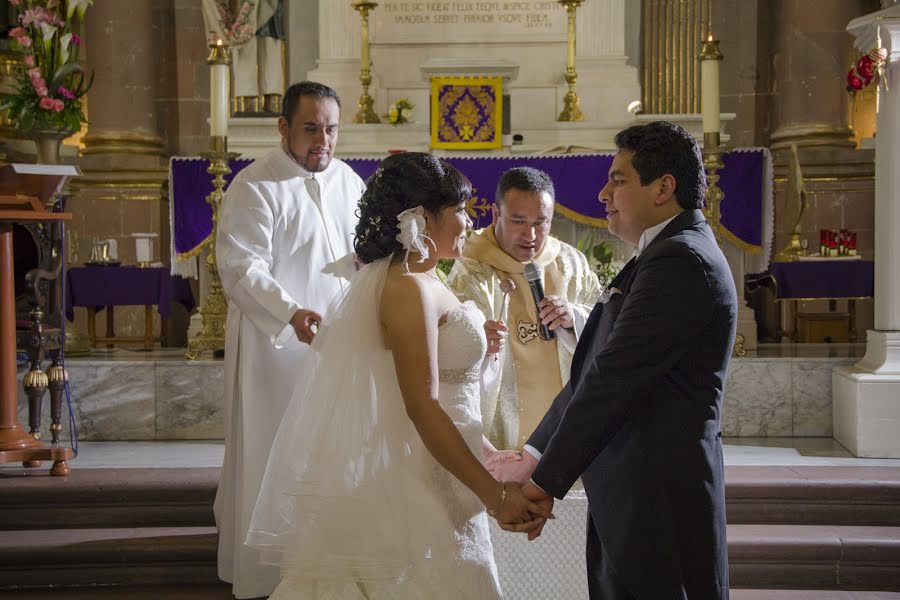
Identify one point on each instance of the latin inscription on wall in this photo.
(468, 21)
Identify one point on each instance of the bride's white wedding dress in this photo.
(353, 506)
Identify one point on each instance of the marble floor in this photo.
(738, 451)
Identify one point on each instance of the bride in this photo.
(373, 489)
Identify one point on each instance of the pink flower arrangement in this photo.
(51, 81)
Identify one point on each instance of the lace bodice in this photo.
(461, 345)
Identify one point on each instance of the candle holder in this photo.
(215, 307)
(712, 163)
(571, 111)
(366, 112)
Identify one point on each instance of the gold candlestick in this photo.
(366, 114)
(571, 111)
(712, 163)
(215, 307)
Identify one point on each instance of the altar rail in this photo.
(165, 397)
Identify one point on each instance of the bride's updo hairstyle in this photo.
(403, 181)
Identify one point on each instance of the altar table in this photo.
(103, 286)
(841, 279)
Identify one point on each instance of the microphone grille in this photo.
(532, 272)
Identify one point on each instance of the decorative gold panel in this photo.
(672, 32)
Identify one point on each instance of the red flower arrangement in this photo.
(867, 69)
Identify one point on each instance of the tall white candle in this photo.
(218, 96)
(710, 56)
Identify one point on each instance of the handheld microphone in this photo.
(533, 275)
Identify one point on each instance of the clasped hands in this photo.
(515, 468)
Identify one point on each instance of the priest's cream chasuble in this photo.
(534, 370)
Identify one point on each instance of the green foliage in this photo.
(444, 266)
(600, 258)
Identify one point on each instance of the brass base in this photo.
(366, 112)
(793, 250)
(738, 349)
(571, 111)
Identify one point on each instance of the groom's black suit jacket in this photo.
(639, 420)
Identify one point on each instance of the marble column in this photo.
(340, 55)
(600, 59)
(867, 395)
(123, 158)
(122, 101)
(812, 55)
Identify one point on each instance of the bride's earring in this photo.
(426, 235)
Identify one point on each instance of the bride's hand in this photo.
(515, 512)
(495, 332)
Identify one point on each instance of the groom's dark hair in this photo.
(661, 147)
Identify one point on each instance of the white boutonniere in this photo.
(607, 294)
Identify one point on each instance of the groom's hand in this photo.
(506, 467)
(542, 499)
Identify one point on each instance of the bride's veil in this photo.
(334, 501)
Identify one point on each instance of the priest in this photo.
(491, 273)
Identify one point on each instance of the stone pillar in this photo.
(340, 55)
(867, 394)
(123, 160)
(599, 59)
(302, 28)
(123, 127)
(812, 55)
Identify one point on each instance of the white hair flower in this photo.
(412, 231)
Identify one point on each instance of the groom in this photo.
(639, 421)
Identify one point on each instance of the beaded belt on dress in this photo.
(457, 376)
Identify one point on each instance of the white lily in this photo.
(80, 6)
(48, 31)
(64, 43)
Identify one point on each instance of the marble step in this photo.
(169, 497)
(218, 591)
(832, 495)
(738, 594)
(800, 557)
(814, 557)
(109, 557)
(813, 495)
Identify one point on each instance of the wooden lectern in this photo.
(24, 192)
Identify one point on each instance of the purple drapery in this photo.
(824, 279)
(577, 178)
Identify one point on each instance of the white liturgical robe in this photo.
(285, 242)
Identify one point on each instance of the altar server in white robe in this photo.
(284, 251)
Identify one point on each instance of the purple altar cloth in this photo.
(577, 178)
(117, 286)
(824, 279)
